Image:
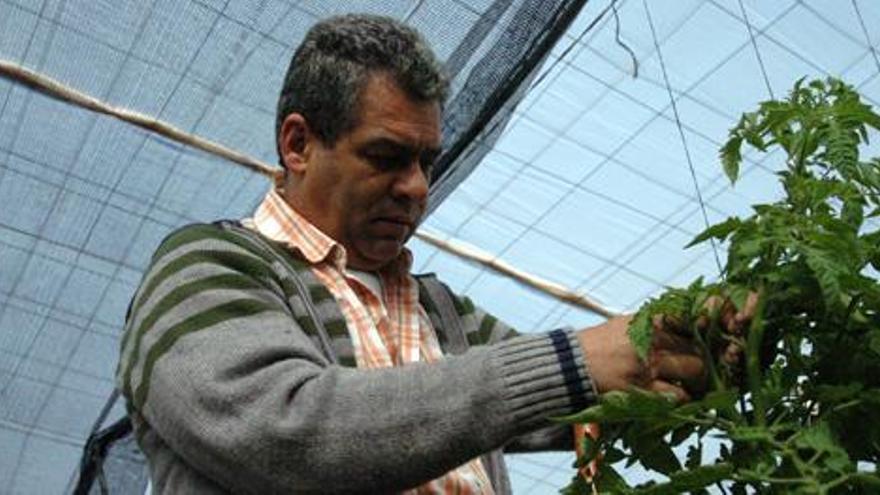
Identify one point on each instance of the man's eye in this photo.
(388, 161)
(427, 159)
(427, 168)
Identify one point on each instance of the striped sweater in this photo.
(232, 388)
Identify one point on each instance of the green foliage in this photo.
(803, 415)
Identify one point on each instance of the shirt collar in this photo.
(278, 221)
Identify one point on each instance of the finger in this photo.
(703, 321)
(712, 308)
(664, 387)
(732, 354)
(666, 341)
(728, 317)
(678, 367)
(686, 370)
(713, 302)
(670, 323)
(748, 310)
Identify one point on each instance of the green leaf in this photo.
(718, 231)
(619, 406)
(867, 479)
(578, 486)
(717, 399)
(731, 158)
(820, 440)
(690, 480)
(836, 393)
(827, 273)
(841, 145)
(853, 212)
(745, 433)
(694, 457)
(654, 454)
(640, 332)
(613, 455)
(700, 477)
(607, 480)
(874, 341)
(681, 434)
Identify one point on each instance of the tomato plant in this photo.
(802, 415)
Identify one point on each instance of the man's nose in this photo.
(412, 183)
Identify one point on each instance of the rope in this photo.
(687, 152)
(58, 90)
(551, 288)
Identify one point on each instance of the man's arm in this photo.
(482, 328)
(674, 366)
(215, 363)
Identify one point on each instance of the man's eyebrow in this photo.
(384, 142)
(399, 146)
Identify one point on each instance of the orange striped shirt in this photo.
(388, 329)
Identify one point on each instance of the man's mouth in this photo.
(395, 226)
(406, 221)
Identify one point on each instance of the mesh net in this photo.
(85, 198)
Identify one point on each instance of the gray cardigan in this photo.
(239, 377)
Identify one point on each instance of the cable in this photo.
(575, 42)
(757, 52)
(867, 37)
(687, 152)
(623, 45)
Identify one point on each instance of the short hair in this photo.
(335, 60)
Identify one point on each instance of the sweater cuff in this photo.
(544, 375)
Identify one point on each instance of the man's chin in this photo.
(377, 255)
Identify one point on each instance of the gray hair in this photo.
(334, 62)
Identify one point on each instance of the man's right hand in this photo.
(674, 365)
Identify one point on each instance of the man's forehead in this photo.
(387, 111)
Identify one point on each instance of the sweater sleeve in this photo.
(215, 363)
(482, 328)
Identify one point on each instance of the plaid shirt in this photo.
(383, 335)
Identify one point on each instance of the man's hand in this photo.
(675, 361)
(734, 322)
(675, 364)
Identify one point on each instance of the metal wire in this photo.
(579, 38)
(623, 45)
(865, 32)
(687, 152)
(755, 47)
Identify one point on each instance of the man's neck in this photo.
(369, 278)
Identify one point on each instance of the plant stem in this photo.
(746, 475)
(708, 358)
(836, 482)
(713, 422)
(753, 359)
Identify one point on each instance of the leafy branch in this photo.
(802, 415)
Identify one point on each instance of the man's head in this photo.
(338, 55)
(358, 129)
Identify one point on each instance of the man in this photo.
(295, 352)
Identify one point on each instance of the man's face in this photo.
(369, 190)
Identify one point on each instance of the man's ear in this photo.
(295, 142)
